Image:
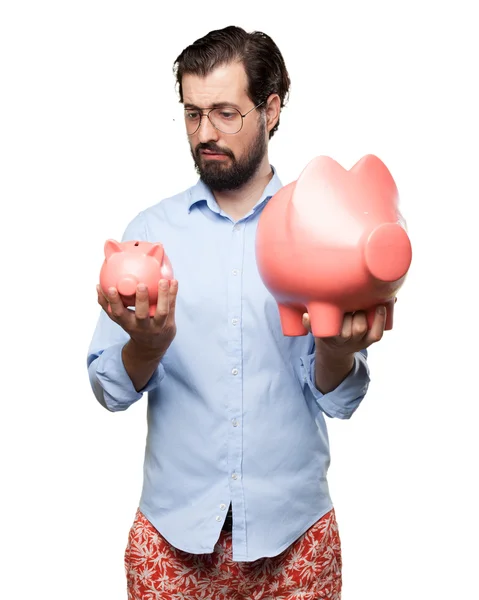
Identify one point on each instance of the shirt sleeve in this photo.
(343, 401)
(108, 377)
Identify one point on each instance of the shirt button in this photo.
(223, 506)
(235, 371)
(235, 271)
(237, 227)
(235, 321)
(218, 518)
(234, 476)
(235, 423)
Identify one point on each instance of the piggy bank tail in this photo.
(388, 252)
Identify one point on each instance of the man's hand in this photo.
(334, 358)
(354, 336)
(150, 334)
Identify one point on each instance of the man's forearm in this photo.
(140, 364)
(330, 369)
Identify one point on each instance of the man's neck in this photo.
(237, 203)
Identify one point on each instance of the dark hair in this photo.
(262, 60)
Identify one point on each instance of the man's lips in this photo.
(213, 153)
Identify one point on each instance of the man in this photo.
(235, 500)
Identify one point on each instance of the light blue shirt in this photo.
(233, 412)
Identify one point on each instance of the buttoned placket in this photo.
(235, 387)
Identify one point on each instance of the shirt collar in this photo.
(202, 193)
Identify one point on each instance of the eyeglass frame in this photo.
(207, 114)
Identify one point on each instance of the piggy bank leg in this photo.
(326, 319)
(390, 314)
(291, 320)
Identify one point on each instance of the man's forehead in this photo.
(226, 84)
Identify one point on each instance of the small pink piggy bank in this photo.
(333, 242)
(127, 264)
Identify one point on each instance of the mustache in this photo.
(213, 148)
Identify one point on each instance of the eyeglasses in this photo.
(225, 119)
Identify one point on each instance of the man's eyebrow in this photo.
(214, 105)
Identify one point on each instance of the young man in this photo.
(235, 500)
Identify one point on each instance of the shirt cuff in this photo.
(343, 401)
(118, 389)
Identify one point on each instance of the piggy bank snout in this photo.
(388, 252)
(127, 285)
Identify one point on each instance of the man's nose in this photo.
(206, 131)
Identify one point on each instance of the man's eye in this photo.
(192, 115)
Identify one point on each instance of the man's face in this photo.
(225, 161)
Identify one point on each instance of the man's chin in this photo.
(216, 180)
(208, 169)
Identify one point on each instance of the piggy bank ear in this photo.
(112, 246)
(317, 185)
(374, 177)
(157, 252)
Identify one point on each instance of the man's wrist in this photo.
(331, 367)
(142, 352)
(333, 357)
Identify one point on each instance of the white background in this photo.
(88, 140)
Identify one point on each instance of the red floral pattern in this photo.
(310, 569)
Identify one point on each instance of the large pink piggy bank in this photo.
(333, 242)
(127, 264)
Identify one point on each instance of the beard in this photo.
(220, 177)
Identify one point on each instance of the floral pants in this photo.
(310, 569)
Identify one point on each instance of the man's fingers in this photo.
(379, 323)
(163, 304)
(346, 330)
(118, 311)
(359, 327)
(173, 294)
(115, 302)
(102, 301)
(142, 305)
(307, 321)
